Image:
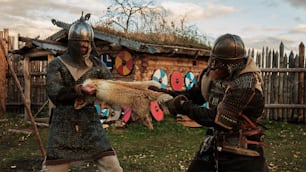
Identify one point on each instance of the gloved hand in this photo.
(175, 105)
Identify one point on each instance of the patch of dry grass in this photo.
(157, 38)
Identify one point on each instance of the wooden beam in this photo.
(297, 106)
(283, 69)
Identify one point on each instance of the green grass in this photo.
(170, 147)
(287, 148)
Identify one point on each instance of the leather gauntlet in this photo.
(175, 105)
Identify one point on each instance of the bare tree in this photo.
(126, 14)
(143, 16)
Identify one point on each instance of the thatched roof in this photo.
(56, 44)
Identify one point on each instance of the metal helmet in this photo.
(228, 47)
(81, 31)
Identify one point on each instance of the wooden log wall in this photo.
(146, 66)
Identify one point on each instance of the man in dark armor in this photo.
(232, 85)
(76, 135)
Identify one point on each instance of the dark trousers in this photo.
(227, 163)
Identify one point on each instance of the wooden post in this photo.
(301, 81)
(291, 86)
(296, 88)
(3, 68)
(281, 82)
(269, 80)
(27, 86)
(50, 105)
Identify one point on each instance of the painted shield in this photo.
(107, 59)
(124, 63)
(126, 114)
(114, 113)
(176, 81)
(161, 76)
(103, 113)
(190, 80)
(156, 111)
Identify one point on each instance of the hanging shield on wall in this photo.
(161, 76)
(176, 81)
(107, 59)
(190, 80)
(124, 63)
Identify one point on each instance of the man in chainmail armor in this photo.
(232, 85)
(76, 135)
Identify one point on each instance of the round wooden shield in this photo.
(156, 111)
(103, 113)
(107, 59)
(176, 81)
(114, 113)
(161, 76)
(124, 63)
(126, 114)
(190, 80)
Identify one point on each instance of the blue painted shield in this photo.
(107, 59)
(160, 76)
(190, 80)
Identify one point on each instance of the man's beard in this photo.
(79, 57)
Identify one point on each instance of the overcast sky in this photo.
(260, 23)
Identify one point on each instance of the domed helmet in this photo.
(78, 32)
(81, 31)
(228, 47)
(228, 54)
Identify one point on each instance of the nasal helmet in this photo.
(81, 31)
(228, 47)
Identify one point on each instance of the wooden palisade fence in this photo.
(284, 83)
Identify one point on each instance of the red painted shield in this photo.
(124, 63)
(176, 81)
(156, 111)
(126, 114)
